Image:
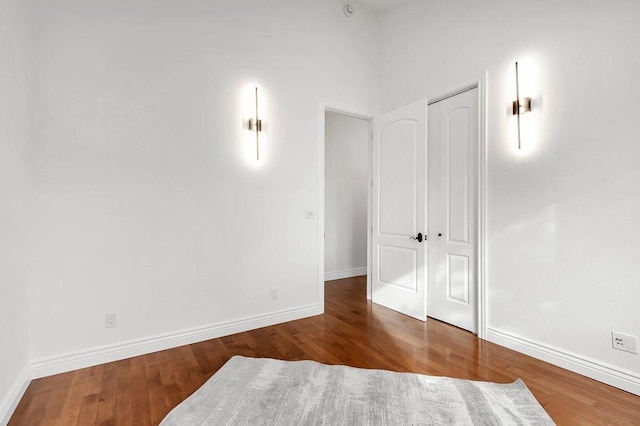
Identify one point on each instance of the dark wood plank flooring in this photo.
(142, 390)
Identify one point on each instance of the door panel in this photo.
(399, 212)
(397, 266)
(458, 174)
(458, 278)
(398, 178)
(453, 201)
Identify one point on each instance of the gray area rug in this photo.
(261, 391)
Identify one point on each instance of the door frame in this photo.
(362, 115)
(481, 83)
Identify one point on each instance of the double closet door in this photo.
(425, 209)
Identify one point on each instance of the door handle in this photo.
(418, 237)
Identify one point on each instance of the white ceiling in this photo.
(380, 4)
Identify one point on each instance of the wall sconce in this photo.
(520, 106)
(255, 125)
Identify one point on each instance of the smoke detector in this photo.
(348, 10)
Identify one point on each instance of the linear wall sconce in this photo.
(255, 125)
(520, 106)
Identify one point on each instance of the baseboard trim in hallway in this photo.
(347, 273)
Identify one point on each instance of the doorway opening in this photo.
(346, 195)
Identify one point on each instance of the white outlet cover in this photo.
(110, 320)
(624, 342)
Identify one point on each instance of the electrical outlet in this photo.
(624, 342)
(110, 320)
(274, 293)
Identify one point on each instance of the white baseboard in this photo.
(13, 397)
(597, 370)
(348, 273)
(108, 353)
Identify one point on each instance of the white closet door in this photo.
(453, 210)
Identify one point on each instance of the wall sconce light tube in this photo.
(520, 106)
(256, 125)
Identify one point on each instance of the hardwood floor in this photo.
(142, 390)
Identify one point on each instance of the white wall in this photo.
(14, 197)
(346, 170)
(145, 203)
(563, 228)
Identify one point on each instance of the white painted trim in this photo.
(369, 209)
(109, 353)
(597, 370)
(13, 397)
(361, 116)
(321, 229)
(482, 206)
(481, 83)
(347, 273)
